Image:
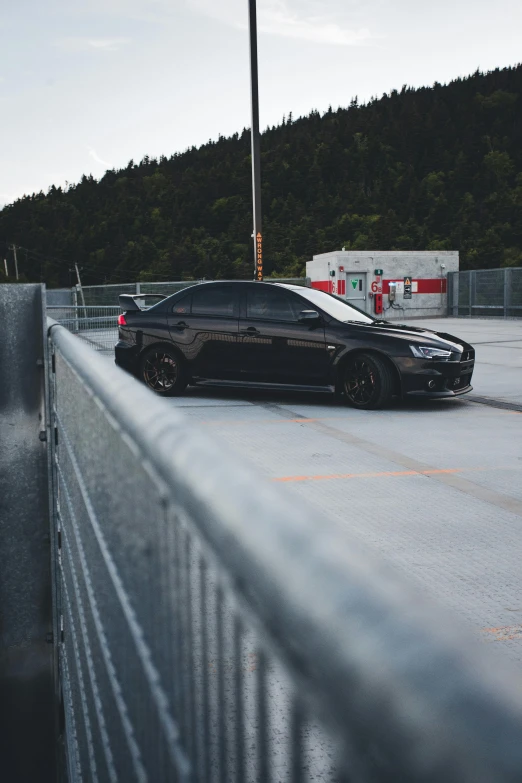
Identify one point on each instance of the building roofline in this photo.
(389, 253)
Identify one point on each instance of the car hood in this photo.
(418, 335)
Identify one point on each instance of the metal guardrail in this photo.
(213, 629)
(98, 326)
(486, 292)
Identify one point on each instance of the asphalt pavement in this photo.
(434, 487)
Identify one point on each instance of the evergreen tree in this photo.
(431, 168)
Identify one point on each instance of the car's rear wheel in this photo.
(162, 371)
(367, 381)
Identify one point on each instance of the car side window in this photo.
(214, 301)
(269, 304)
(182, 306)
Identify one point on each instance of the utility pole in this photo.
(256, 149)
(16, 261)
(80, 289)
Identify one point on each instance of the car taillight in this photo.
(121, 320)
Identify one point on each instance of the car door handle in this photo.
(182, 325)
(251, 331)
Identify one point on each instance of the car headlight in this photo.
(425, 352)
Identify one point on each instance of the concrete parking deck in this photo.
(434, 487)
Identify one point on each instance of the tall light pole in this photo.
(256, 150)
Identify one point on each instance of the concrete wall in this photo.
(430, 267)
(27, 703)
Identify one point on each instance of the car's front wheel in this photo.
(367, 381)
(162, 371)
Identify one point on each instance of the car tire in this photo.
(367, 381)
(162, 370)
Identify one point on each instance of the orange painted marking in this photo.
(243, 422)
(385, 473)
(505, 633)
(305, 421)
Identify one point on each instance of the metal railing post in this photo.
(472, 290)
(75, 303)
(507, 291)
(455, 293)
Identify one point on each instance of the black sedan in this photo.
(275, 335)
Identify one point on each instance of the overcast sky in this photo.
(86, 85)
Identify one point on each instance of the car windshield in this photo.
(334, 306)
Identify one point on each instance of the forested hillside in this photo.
(433, 168)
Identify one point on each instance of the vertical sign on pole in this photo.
(256, 150)
(259, 256)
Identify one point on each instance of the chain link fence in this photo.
(94, 315)
(486, 292)
(96, 295)
(97, 326)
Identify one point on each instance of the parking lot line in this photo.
(502, 405)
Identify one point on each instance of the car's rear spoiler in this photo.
(136, 301)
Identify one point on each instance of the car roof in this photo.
(245, 282)
(289, 286)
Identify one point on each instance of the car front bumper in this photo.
(445, 393)
(428, 378)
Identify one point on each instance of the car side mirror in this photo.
(308, 317)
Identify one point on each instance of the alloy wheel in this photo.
(160, 371)
(360, 382)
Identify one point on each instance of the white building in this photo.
(391, 283)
